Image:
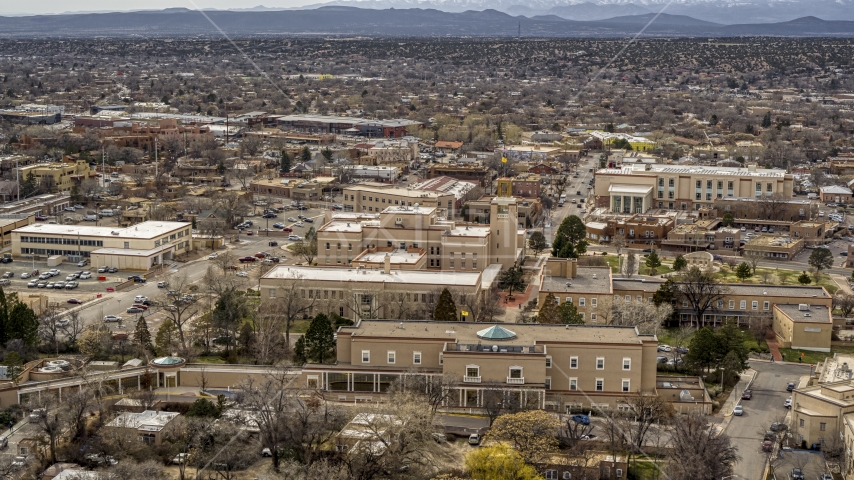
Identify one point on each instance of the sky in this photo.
(8, 7)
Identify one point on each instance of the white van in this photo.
(107, 213)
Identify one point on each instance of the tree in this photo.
(203, 407)
(531, 433)
(142, 336)
(742, 271)
(652, 262)
(307, 249)
(644, 411)
(570, 239)
(699, 452)
(19, 321)
(752, 257)
(647, 317)
(569, 315)
(319, 340)
(285, 162)
(629, 265)
(446, 310)
(704, 349)
(679, 263)
(305, 155)
(804, 278)
(549, 310)
(291, 303)
(537, 242)
(166, 339)
(821, 259)
(511, 280)
(498, 462)
(727, 220)
(844, 302)
(179, 309)
(702, 291)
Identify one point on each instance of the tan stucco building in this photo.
(64, 175)
(639, 187)
(803, 326)
(138, 247)
(373, 197)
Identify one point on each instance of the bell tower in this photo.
(503, 229)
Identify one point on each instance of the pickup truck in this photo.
(247, 259)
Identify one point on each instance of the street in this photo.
(765, 408)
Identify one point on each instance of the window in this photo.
(822, 426)
(366, 356)
(802, 422)
(515, 372)
(272, 293)
(573, 383)
(391, 357)
(551, 475)
(312, 381)
(327, 245)
(581, 302)
(416, 358)
(548, 362)
(573, 362)
(600, 384)
(593, 302)
(568, 299)
(619, 473)
(473, 371)
(766, 305)
(743, 304)
(731, 304)
(592, 317)
(600, 363)
(567, 476)
(754, 305)
(626, 385)
(548, 383)
(627, 364)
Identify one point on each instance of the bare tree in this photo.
(291, 303)
(699, 451)
(702, 291)
(629, 265)
(180, 306)
(644, 412)
(753, 257)
(648, 317)
(844, 303)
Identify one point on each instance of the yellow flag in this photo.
(503, 159)
(465, 313)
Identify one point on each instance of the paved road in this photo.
(766, 407)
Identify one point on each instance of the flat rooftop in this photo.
(469, 231)
(403, 210)
(401, 192)
(772, 241)
(358, 276)
(144, 230)
(342, 227)
(397, 257)
(817, 313)
(587, 280)
(623, 284)
(525, 334)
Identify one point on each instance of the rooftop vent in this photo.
(803, 307)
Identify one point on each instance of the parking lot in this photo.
(811, 463)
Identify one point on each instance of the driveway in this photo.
(765, 408)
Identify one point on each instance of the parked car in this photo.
(180, 458)
(112, 270)
(134, 310)
(247, 259)
(767, 445)
(136, 279)
(738, 411)
(85, 276)
(112, 318)
(83, 263)
(140, 305)
(295, 238)
(747, 395)
(779, 427)
(661, 359)
(32, 284)
(797, 474)
(664, 348)
(474, 439)
(162, 284)
(26, 275)
(582, 419)
(242, 274)
(74, 301)
(788, 403)
(308, 220)
(103, 269)
(212, 256)
(71, 285)
(272, 243)
(790, 386)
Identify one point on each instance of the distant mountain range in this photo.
(719, 11)
(334, 20)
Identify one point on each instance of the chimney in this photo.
(387, 264)
(573, 268)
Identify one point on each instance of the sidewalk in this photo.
(775, 349)
(746, 378)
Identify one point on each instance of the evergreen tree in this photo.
(142, 336)
(4, 318)
(166, 338)
(511, 280)
(22, 322)
(569, 315)
(821, 259)
(805, 279)
(537, 242)
(306, 154)
(743, 271)
(549, 310)
(679, 263)
(570, 239)
(299, 357)
(285, 162)
(727, 220)
(500, 133)
(653, 261)
(766, 120)
(320, 340)
(446, 309)
(704, 349)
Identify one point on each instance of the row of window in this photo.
(742, 305)
(391, 357)
(62, 241)
(47, 251)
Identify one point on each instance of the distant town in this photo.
(309, 258)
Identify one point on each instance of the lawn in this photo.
(646, 470)
(813, 357)
(775, 276)
(300, 326)
(661, 270)
(613, 262)
(668, 336)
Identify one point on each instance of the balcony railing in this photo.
(516, 381)
(468, 379)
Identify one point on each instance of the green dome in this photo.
(167, 361)
(496, 333)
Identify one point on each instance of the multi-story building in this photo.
(60, 176)
(474, 173)
(702, 235)
(561, 367)
(292, 188)
(588, 288)
(528, 211)
(765, 211)
(446, 245)
(325, 124)
(647, 230)
(774, 247)
(138, 247)
(371, 197)
(639, 187)
(526, 185)
(803, 326)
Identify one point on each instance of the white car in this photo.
(139, 299)
(788, 403)
(112, 318)
(664, 348)
(738, 411)
(299, 224)
(242, 274)
(85, 276)
(212, 256)
(26, 275)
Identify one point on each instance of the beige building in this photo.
(372, 197)
(803, 326)
(773, 247)
(639, 187)
(60, 176)
(447, 245)
(138, 247)
(637, 229)
(564, 368)
(589, 288)
(150, 426)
